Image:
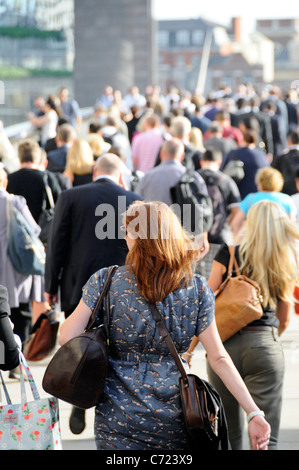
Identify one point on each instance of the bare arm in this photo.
(283, 313)
(38, 120)
(75, 324)
(222, 364)
(236, 221)
(214, 282)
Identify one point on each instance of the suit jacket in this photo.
(279, 135)
(265, 127)
(75, 250)
(287, 164)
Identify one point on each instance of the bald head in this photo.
(108, 164)
(172, 150)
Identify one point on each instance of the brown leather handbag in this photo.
(201, 404)
(238, 301)
(77, 372)
(43, 337)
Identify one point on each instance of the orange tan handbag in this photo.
(238, 301)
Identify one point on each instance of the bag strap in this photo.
(165, 335)
(233, 262)
(8, 399)
(9, 212)
(24, 365)
(33, 386)
(48, 193)
(100, 300)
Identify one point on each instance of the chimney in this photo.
(237, 29)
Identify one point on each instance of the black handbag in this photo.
(201, 404)
(78, 371)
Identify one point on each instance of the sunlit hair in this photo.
(269, 179)
(268, 251)
(97, 144)
(163, 255)
(80, 159)
(196, 139)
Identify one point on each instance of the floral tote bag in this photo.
(28, 425)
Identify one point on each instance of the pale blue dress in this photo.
(140, 408)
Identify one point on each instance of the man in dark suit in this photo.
(279, 132)
(85, 237)
(264, 122)
(85, 233)
(288, 163)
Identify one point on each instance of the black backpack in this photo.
(213, 182)
(192, 206)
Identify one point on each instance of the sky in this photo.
(222, 11)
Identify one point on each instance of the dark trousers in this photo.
(21, 318)
(259, 358)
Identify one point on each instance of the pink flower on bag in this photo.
(1, 435)
(35, 435)
(28, 416)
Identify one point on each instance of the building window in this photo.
(265, 23)
(197, 37)
(163, 39)
(181, 61)
(285, 23)
(183, 38)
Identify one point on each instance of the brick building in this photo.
(232, 60)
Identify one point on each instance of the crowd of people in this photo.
(242, 148)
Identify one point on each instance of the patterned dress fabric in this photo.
(140, 408)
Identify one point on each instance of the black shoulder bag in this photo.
(201, 404)
(77, 372)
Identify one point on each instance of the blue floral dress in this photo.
(140, 408)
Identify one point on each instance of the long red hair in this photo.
(163, 255)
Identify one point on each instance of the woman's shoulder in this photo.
(97, 280)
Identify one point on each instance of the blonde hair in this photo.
(268, 252)
(269, 179)
(80, 159)
(196, 139)
(97, 144)
(163, 254)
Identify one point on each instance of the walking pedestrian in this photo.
(267, 255)
(140, 408)
(23, 290)
(76, 249)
